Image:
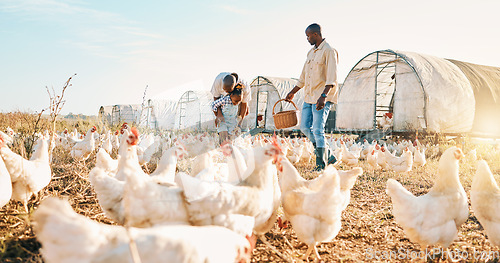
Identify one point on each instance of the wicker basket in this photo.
(285, 119)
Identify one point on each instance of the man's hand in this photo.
(289, 96)
(320, 104)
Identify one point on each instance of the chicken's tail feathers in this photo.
(196, 189)
(332, 174)
(101, 157)
(395, 189)
(51, 207)
(97, 175)
(483, 179)
(348, 178)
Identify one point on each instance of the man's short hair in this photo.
(229, 80)
(235, 75)
(315, 28)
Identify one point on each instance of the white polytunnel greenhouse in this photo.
(193, 111)
(118, 114)
(161, 114)
(266, 91)
(423, 93)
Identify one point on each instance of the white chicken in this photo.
(108, 177)
(149, 202)
(203, 160)
(104, 161)
(206, 201)
(308, 152)
(232, 171)
(433, 218)
(371, 159)
(349, 158)
(27, 176)
(146, 151)
(401, 164)
(82, 150)
(236, 164)
(115, 140)
(5, 184)
(296, 153)
(382, 159)
(312, 222)
(128, 161)
(419, 157)
(107, 143)
(366, 150)
(165, 171)
(69, 237)
(109, 191)
(386, 121)
(347, 181)
(485, 201)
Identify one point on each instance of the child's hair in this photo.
(236, 92)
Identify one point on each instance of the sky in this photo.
(117, 48)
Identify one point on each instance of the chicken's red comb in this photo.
(135, 131)
(124, 124)
(389, 114)
(275, 143)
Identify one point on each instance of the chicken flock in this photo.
(234, 192)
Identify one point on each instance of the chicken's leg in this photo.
(316, 252)
(306, 255)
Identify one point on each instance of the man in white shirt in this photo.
(224, 83)
(319, 80)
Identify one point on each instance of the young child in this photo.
(234, 98)
(228, 105)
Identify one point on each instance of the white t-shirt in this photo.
(217, 87)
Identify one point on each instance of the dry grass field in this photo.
(369, 232)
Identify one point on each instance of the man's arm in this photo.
(291, 94)
(242, 112)
(320, 104)
(331, 77)
(217, 87)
